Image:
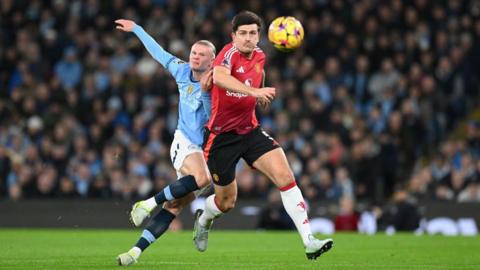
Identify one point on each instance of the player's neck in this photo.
(197, 75)
(247, 55)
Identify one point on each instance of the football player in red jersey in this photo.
(233, 132)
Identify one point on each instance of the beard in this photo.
(247, 48)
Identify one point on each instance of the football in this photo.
(286, 33)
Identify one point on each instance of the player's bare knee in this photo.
(203, 179)
(227, 204)
(284, 179)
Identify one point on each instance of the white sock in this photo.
(210, 212)
(151, 203)
(135, 252)
(295, 206)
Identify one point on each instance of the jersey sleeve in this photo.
(207, 103)
(224, 58)
(166, 59)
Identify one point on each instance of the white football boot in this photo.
(127, 258)
(317, 247)
(200, 233)
(140, 212)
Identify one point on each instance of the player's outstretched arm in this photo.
(155, 50)
(223, 78)
(125, 25)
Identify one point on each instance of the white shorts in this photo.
(181, 148)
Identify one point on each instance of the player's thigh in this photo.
(266, 155)
(176, 206)
(222, 153)
(195, 164)
(180, 149)
(274, 165)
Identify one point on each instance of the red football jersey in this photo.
(233, 111)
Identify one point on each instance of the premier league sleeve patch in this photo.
(226, 63)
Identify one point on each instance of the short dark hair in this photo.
(246, 18)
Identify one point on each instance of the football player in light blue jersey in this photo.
(186, 151)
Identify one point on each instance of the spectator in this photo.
(69, 69)
(274, 216)
(404, 214)
(347, 219)
(374, 90)
(470, 194)
(386, 78)
(343, 180)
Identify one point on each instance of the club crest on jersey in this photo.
(190, 89)
(257, 67)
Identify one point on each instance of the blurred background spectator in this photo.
(273, 216)
(403, 214)
(382, 95)
(347, 219)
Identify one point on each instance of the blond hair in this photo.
(207, 43)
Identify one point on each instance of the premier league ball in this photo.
(286, 33)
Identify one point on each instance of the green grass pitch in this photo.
(97, 249)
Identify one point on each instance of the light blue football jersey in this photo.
(194, 104)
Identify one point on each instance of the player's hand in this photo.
(264, 102)
(265, 93)
(125, 25)
(206, 82)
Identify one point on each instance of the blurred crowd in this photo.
(366, 107)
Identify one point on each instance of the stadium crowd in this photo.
(366, 106)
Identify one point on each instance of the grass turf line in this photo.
(97, 249)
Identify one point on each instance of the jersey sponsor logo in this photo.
(235, 94)
(239, 95)
(240, 70)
